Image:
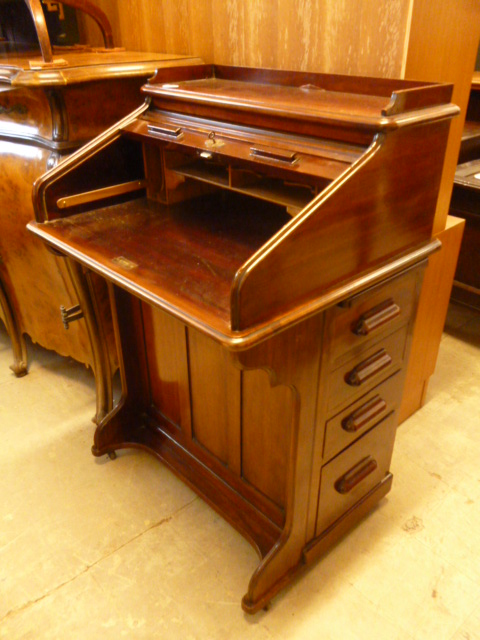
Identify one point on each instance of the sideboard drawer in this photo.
(359, 417)
(363, 372)
(353, 473)
(380, 310)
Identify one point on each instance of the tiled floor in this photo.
(99, 549)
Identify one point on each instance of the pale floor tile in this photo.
(470, 630)
(91, 548)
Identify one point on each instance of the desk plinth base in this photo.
(141, 432)
(122, 429)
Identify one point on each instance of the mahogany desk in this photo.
(263, 274)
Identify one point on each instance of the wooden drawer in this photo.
(370, 315)
(363, 372)
(353, 473)
(351, 423)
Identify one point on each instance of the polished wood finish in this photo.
(311, 35)
(465, 204)
(413, 39)
(47, 111)
(432, 310)
(442, 45)
(263, 288)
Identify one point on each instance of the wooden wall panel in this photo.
(316, 35)
(442, 46)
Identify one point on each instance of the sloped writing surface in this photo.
(183, 257)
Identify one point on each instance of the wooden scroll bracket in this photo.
(101, 365)
(297, 368)
(36, 10)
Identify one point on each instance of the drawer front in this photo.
(372, 314)
(360, 374)
(351, 423)
(353, 473)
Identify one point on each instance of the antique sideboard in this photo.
(263, 236)
(52, 101)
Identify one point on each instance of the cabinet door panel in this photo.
(215, 394)
(166, 351)
(267, 414)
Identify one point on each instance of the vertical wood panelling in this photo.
(166, 351)
(267, 415)
(215, 396)
(360, 38)
(443, 46)
(176, 27)
(200, 28)
(228, 31)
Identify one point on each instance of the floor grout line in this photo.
(163, 521)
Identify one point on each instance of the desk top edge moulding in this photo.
(53, 100)
(263, 236)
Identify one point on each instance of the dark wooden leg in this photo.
(101, 362)
(19, 366)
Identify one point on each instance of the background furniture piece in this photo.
(466, 204)
(264, 267)
(412, 39)
(52, 101)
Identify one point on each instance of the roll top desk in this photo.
(263, 235)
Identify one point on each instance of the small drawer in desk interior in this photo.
(371, 314)
(353, 473)
(358, 418)
(365, 370)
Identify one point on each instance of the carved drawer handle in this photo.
(356, 474)
(364, 414)
(368, 368)
(376, 317)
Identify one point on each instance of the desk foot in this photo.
(19, 366)
(263, 587)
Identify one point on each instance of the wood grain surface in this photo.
(360, 38)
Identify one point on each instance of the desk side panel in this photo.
(381, 207)
(233, 420)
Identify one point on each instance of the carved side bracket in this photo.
(291, 358)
